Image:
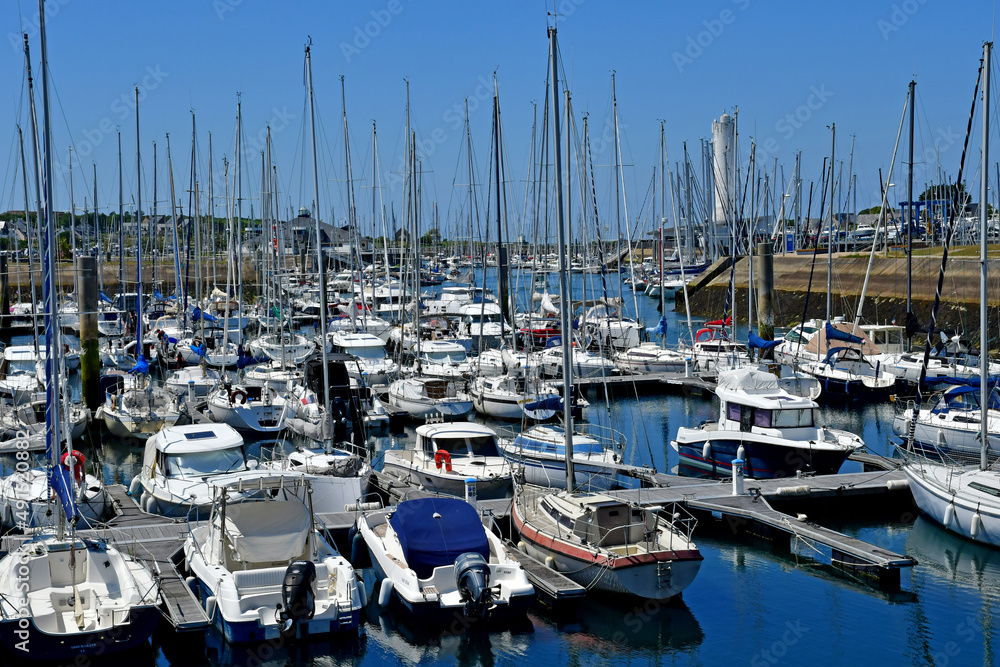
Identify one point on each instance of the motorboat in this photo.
(771, 430)
(264, 570)
(435, 558)
(446, 455)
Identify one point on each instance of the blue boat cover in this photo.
(660, 329)
(833, 333)
(430, 542)
(548, 403)
(105, 298)
(756, 341)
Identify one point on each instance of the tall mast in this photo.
(829, 235)
(59, 478)
(909, 218)
(138, 231)
(319, 237)
(97, 233)
(154, 227)
(564, 295)
(501, 249)
(27, 230)
(984, 361)
(121, 224)
(211, 207)
(173, 219)
(72, 206)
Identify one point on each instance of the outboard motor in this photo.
(472, 576)
(299, 601)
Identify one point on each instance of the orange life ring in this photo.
(78, 464)
(442, 455)
(238, 393)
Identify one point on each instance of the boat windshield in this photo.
(473, 445)
(454, 357)
(367, 352)
(791, 418)
(200, 464)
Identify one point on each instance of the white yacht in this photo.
(422, 397)
(762, 424)
(444, 456)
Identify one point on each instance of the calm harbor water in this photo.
(749, 605)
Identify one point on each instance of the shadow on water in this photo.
(209, 648)
(604, 624)
(456, 642)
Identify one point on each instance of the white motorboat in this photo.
(438, 561)
(371, 364)
(288, 348)
(445, 456)
(651, 358)
(192, 381)
(772, 431)
(264, 570)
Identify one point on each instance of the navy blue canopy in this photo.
(105, 298)
(756, 341)
(548, 403)
(832, 333)
(429, 542)
(553, 341)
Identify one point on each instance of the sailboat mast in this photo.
(319, 237)
(58, 476)
(564, 293)
(97, 233)
(72, 206)
(121, 223)
(138, 231)
(829, 229)
(984, 362)
(502, 278)
(154, 227)
(27, 232)
(909, 217)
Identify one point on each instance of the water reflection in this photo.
(608, 626)
(406, 638)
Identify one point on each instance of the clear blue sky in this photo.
(846, 62)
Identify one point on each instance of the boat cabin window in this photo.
(473, 445)
(791, 418)
(748, 417)
(200, 464)
(985, 489)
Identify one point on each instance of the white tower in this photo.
(723, 169)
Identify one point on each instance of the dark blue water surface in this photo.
(749, 605)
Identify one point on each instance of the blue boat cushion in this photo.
(430, 542)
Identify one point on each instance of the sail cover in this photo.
(756, 341)
(832, 333)
(433, 532)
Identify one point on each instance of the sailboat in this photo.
(597, 540)
(140, 410)
(62, 596)
(965, 499)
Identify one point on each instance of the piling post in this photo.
(90, 358)
(765, 291)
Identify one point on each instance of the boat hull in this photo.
(763, 458)
(41, 645)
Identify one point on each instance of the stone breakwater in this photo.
(886, 294)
